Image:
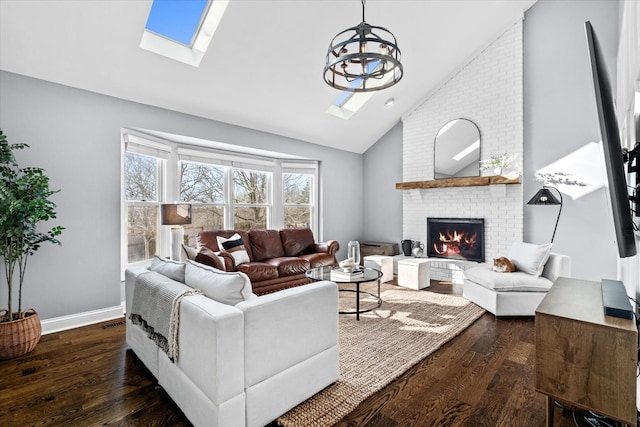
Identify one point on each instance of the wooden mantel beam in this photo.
(459, 182)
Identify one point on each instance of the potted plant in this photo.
(24, 204)
(498, 163)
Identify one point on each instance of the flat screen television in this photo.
(613, 157)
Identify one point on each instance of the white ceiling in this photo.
(263, 69)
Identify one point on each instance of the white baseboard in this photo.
(62, 323)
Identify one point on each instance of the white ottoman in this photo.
(382, 263)
(413, 273)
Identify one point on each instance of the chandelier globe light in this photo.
(363, 58)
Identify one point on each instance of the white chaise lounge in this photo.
(513, 294)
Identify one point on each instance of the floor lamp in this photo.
(177, 214)
(546, 198)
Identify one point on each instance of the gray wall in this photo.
(382, 218)
(559, 117)
(75, 136)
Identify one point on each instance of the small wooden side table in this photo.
(584, 358)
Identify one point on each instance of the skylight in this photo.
(182, 30)
(348, 103)
(177, 20)
(347, 94)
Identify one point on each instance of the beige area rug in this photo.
(385, 343)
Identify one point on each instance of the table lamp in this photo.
(176, 214)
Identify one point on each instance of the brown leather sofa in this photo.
(278, 259)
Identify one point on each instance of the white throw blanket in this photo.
(155, 307)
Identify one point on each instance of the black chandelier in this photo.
(363, 59)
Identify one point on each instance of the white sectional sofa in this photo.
(248, 363)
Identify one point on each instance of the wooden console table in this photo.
(584, 358)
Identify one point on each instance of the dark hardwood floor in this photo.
(88, 376)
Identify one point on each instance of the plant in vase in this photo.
(24, 204)
(499, 163)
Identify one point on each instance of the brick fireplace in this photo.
(487, 91)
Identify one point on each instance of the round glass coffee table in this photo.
(369, 275)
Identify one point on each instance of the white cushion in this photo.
(529, 258)
(222, 286)
(168, 268)
(504, 282)
(235, 247)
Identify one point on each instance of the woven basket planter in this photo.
(19, 336)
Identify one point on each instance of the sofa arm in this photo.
(229, 261)
(330, 247)
(287, 327)
(211, 348)
(557, 265)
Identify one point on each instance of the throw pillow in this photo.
(168, 268)
(235, 247)
(189, 251)
(208, 257)
(529, 258)
(222, 286)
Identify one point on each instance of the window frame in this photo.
(303, 168)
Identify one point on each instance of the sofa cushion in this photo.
(529, 258)
(289, 266)
(168, 268)
(208, 257)
(319, 259)
(265, 244)
(296, 241)
(503, 282)
(190, 252)
(222, 286)
(235, 246)
(210, 239)
(259, 271)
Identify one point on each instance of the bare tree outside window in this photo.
(202, 185)
(141, 193)
(297, 199)
(250, 188)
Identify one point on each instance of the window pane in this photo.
(201, 183)
(297, 188)
(140, 177)
(248, 217)
(297, 216)
(250, 186)
(204, 218)
(142, 232)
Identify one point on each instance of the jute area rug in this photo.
(385, 343)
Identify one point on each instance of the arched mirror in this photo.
(457, 150)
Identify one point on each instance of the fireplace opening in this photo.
(456, 238)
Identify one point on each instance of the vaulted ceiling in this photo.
(263, 69)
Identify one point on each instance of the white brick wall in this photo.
(487, 91)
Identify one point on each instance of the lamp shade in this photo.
(544, 197)
(176, 214)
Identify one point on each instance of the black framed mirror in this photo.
(457, 150)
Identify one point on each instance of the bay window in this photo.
(227, 190)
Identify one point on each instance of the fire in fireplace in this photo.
(456, 238)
